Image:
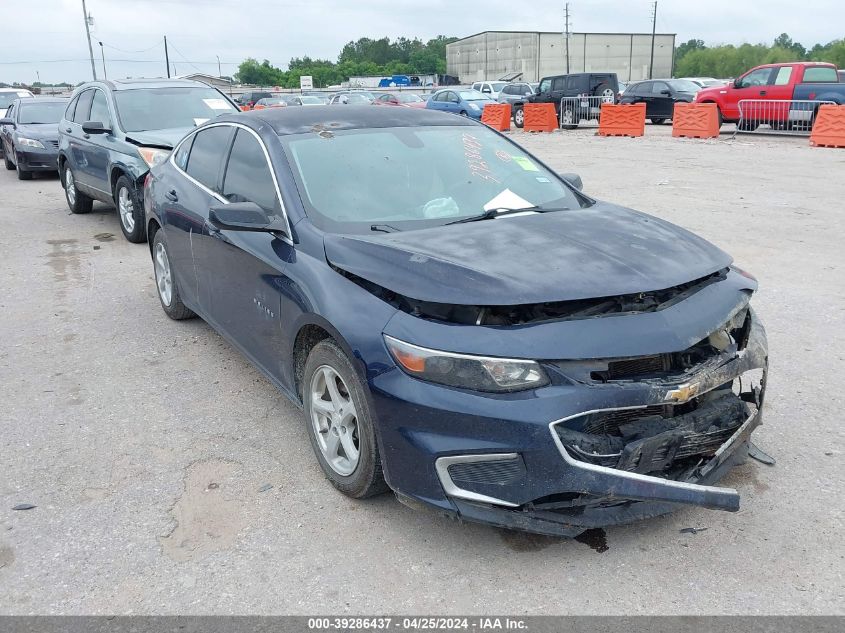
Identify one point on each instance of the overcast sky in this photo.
(49, 34)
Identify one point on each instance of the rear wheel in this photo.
(658, 121)
(340, 425)
(747, 126)
(568, 119)
(129, 210)
(77, 201)
(168, 291)
(518, 116)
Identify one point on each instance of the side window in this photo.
(646, 88)
(181, 156)
(558, 84)
(820, 74)
(783, 76)
(658, 87)
(451, 97)
(83, 107)
(248, 177)
(545, 85)
(71, 108)
(100, 109)
(207, 154)
(475, 86)
(759, 77)
(10, 112)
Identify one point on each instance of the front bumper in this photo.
(498, 459)
(33, 159)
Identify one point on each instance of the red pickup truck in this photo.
(797, 81)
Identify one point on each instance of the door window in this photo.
(71, 108)
(545, 85)
(558, 84)
(83, 107)
(658, 87)
(100, 109)
(181, 156)
(783, 76)
(207, 153)
(759, 77)
(248, 177)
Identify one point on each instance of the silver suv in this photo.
(516, 93)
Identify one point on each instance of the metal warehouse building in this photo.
(494, 54)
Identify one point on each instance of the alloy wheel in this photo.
(70, 187)
(126, 209)
(164, 279)
(335, 421)
(568, 117)
(519, 117)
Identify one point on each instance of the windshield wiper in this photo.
(384, 228)
(498, 212)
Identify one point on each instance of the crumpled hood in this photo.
(159, 138)
(39, 131)
(600, 251)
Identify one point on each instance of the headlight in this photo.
(153, 155)
(474, 106)
(479, 373)
(30, 142)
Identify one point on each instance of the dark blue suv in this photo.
(114, 131)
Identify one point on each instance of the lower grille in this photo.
(499, 472)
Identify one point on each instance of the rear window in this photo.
(206, 157)
(821, 74)
(166, 108)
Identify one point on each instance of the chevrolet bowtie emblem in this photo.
(683, 393)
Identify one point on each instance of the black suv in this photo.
(553, 89)
(113, 132)
(249, 99)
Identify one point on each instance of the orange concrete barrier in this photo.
(829, 127)
(695, 120)
(622, 120)
(539, 117)
(497, 116)
(244, 108)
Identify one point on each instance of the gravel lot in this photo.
(116, 420)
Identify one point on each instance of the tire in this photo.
(606, 91)
(518, 117)
(747, 126)
(721, 117)
(130, 212)
(23, 174)
(463, 113)
(9, 164)
(166, 287)
(658, 121)
(567, 119)
(77, 201)
(329, 423)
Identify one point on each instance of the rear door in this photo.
(246, 268)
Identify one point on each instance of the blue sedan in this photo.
(468, 103)
(458, 322)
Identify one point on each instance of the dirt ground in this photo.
(170, 477)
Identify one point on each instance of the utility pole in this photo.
(653, 33)
(566, 36)
(102, 52)
(166, 57)
(88, 35)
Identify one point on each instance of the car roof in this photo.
(285, 121)
(39, 99)
(138, 84)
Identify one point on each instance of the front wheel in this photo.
(9, 164)
(23, 174)
(568, 119)
(77, 201)
(129, 210)
(519, 117)
(340, 425)
(168, 291)
(658, 121)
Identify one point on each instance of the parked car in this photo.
(621, 377)
(660, 96)
(321, 96)
(270, 102)
(469, 103)
(553, 89)
(490, 88)
(29, 135)
(349, 98)
(622, 88)
(113, 131)
(403, 99)
(248, 99)
(7, 95)
(516, 92)
(705, 82)
(798, 81)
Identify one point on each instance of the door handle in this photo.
(762, 93)
(172, 196)
(68, 130)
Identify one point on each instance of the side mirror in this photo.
(243, 216)
(95, 127)
(736, 83)
(574, 180)
(7, 121)
(666, 92)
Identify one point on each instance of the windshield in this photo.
(408, 98)
(310, 100)
(473, 95)
(165, 108)
(683, 85)
(415, 177)
(498, 85)
(33, 113)
(6, 98)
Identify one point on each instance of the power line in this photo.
(143, 50)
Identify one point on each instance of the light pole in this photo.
(219, 72)
(102, 52)
(88, 35)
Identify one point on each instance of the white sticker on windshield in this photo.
(199, 121)
(217, 104)
(508, 200)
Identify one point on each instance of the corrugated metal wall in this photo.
(492, 55)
